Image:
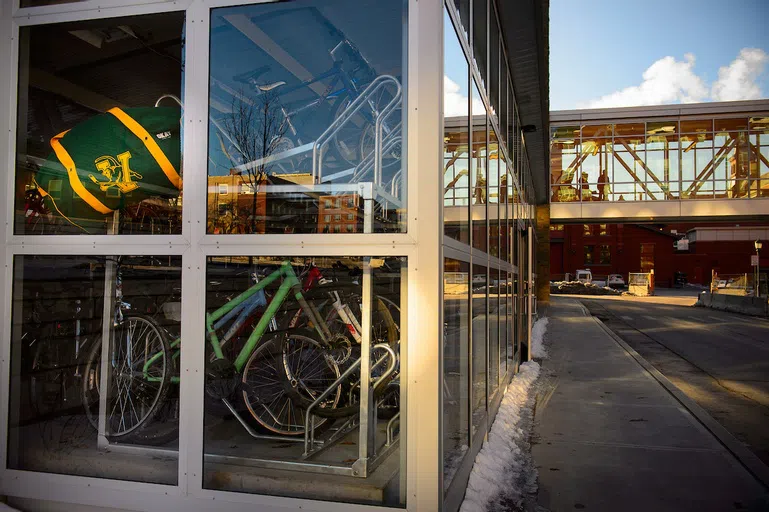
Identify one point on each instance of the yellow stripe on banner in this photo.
(74, 179)
(150, 144)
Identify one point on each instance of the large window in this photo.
(293, 369)
(479, 326)
(77, 405)
(456, 365)
(478, 170)
(663, 159)
(456, 150)
(98, 145)
(304, 115)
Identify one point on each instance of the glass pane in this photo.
(39, 3)
(597, 130)
(463, 6)
(279, 95)
(456, 365)
(479, 329)
(503, 104)
(493, 91)
(697, 126)
(478, 174)
(99, 127)
(480, 25)
(493, 203)
(285, 351)
(59, 368)
(456, 149)
(495, 318)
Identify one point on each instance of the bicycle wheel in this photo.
(308, 371)
(136, 394)
(264, 394)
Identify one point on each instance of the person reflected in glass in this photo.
(603, 186)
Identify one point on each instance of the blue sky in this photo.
(609, 53)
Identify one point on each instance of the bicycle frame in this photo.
(243, 305)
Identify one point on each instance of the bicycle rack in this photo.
(325, 138)
(368, 459)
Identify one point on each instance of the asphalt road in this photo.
(721, 360)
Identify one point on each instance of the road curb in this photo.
(748, 459)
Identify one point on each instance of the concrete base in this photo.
(755, 306)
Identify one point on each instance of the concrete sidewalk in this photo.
(609, 437)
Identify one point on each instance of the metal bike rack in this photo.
(325, 138)
(309, 421)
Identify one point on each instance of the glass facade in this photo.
(290, 327)
(303, 127)
(487, 216)
(678, 158)
(130, 182)
(71, 395)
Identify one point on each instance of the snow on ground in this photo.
(538, 350)
(503, 470)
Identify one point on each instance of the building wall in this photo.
(625, 241)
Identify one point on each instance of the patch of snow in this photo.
(538, 349)
(503, 468)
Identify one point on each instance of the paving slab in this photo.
(608, 436)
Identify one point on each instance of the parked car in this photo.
(615, 281)
(584, 276)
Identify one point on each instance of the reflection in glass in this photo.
(478, 170)
(59, 373)
(495, 319)
(493, 91)
(286, 345)
(493, 191)
(299, 119)
(99, 127)
(456, 148)
(456, 365)
(480, 26)
(480, 293)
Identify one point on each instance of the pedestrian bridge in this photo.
(679, 162)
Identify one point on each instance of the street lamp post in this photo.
(758, 246)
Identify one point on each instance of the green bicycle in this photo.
(276, 376)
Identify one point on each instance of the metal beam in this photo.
(244, 24)
(645, 168)
(45, 81)
(710, 167)
(634, 176)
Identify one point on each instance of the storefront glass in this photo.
(305, 126)
(456, 365)
(479, 326)
(59, 420)
(456, 148)
(98, 148)
(286, 346)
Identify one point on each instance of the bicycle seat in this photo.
(269, 87)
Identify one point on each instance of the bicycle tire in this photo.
(270, 407)
(158, 393)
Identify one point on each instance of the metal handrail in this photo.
(309, 421)
(322, 141)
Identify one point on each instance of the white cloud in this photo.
(454, 102)
(669, 81)
(737, 81)
(666, 81)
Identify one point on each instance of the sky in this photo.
(657, 52)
